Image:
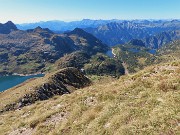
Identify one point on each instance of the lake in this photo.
(153, 51)
(109, 53)
(7, 82)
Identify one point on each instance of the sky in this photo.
(26, 11)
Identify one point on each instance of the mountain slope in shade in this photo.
(7, 27)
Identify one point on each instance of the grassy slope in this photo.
(13, 94)
(57, 83)
(137, 61)
(143, 103)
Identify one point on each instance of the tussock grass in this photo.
(147, 102)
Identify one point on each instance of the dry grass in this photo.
(15, 93)
(147, 102)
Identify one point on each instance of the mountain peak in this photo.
(7, 27)
(42, 30)
(9, 23)
(78, 31)
(38, 28)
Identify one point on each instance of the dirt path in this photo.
(124, 64)
(113, 53)
(125, 67)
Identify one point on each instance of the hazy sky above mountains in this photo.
(20, 11)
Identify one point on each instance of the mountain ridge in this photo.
(122, 32)
(37, 49)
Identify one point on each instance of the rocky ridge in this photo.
(61, 82)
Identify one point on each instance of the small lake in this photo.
(110, 54)
(152, 51)
(7, 82)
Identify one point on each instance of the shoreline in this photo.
(39, 73)
(17, 74)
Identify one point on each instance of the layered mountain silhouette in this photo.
(64, 26)
(119, 33)
(7, 27)
(113, 32)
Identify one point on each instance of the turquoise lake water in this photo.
(7, 82)
(109, 53)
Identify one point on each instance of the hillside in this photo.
(135, 56)
(99, 64)
(170, 51)
(143, 103)
(64, 81)
(36, 50)
(160, 39)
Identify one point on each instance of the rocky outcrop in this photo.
(62, 82)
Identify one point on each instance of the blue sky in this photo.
(21, 11)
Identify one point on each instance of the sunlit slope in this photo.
(147, 102)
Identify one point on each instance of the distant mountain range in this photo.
(154, 33)
(60, 26)
(85, 23)
(119, 33)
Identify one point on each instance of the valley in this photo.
(95, 77)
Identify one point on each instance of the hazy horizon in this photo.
(66, 21)
(25, 11)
